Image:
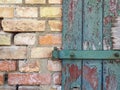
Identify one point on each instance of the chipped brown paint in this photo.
(111, 82)
(72, 6)
(90, 74)
(113, 7)
(75, 72)
(107, 19)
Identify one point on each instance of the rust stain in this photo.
(75, 72)
(90, 9)
(90, 76)
(107, 19)
(111, 83)
(71, 11)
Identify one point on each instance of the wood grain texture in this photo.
(72, 38)
(111, 74)
(92, 40)
(89, 29)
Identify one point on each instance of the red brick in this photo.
(1, 79)
(50, 39)
(28, 79)
(57, 78)
(8, 65)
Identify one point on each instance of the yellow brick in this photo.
(50, 12)
(35, 1)
(1, 1)
(7, 12)
(55, 25)
(55, 1)
(10, 1)
(26, 12)
(23, 25)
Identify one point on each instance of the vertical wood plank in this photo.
(72, 38)
(111, 74)
(92, 40)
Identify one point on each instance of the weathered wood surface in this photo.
(72, 39)
(92, 40)
(111, 74)
(87, 26)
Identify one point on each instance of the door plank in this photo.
(72, 40)
(111, 74)
(92, 40)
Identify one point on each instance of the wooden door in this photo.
(87, 26)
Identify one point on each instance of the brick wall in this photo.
(29, 29)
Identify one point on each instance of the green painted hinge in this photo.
(91, 55)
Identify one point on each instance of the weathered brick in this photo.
(5, 39)
(50, 39)
(1, 79)
(55, 1)
(50, 11)
(45, 87)
(13, 52)
(55, 25)
(29, 66)
(25, 25)
(29, 88)
(8, 65)
(7, 12)
(28, 79)
(35, 1)
(54, 65)
(26, 12)
(41, 52)
(25, 39)
(7, 87)
(57, 78)
(57, 87)
(1, 1)
(13, 1)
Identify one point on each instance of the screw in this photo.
(72, 55)
(116, 54)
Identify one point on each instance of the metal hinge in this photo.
(91, 55)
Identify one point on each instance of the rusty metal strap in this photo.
(91, 55)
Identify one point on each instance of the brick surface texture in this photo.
(29, 30)
(8, 65)
(5, 39)
(1, 79)
(50, 12)
(25, 39)
(26, 12)
(14, 52)
(55, 25)
(50, 39)
(7, 12)
(29, 66)
(57, 78)
(28, 79)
